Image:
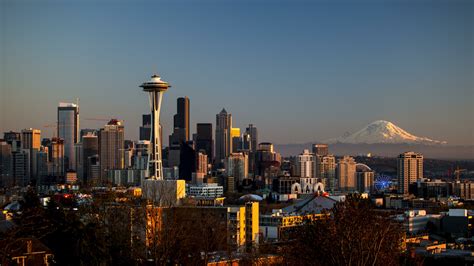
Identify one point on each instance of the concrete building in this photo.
(68, 130)
(464, 190)
(409, 170)
(223, 139)
(280, 226)
(346, 174)
(365, 178)
(111, 147)
(207, 190)
(305, 164)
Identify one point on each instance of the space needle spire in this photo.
(155, 88)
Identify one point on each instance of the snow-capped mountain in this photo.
(383, 132)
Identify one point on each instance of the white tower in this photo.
(155, 88)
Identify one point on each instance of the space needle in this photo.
(155, 88)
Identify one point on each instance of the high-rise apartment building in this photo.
(111, 147)
(68, 130)
(326, 170)
(365, 178)
(346, 174)
(409, 170)
(204, 141)
(305, 164)
(223, 140)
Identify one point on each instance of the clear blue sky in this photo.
(299, 70)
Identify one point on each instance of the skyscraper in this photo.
(250, 138)
(237, 166)
(145, 129)
(31, 141)
(31, 138)
(90, 147)
(223, 140)
(68, 130)
(111, 147)
(346, 174)
(181, 123)
(56, 159)
(409, 170)
(236, 139)
(204, 139)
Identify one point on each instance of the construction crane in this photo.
(457, 172)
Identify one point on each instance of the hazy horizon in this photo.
(300, 71)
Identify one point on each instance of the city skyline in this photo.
(418, 70)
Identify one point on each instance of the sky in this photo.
(300, 71)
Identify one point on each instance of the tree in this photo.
(355, 234)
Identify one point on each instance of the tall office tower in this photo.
(181, 123)
(237, 166)
(21, 167)
(31, 141)
(204, 141)
(320, 149)
(155, 188)
(111, 147)
(56, 160)
(90, 147)
(365, 178)
(30, 138)
(145, 129)
(409, 170)
(326, 170)
(42, 166)
(5, 163)
(236, 139)
(250, 138)
(346, 174)
(187, 161)
(305, 164)
(223, 141)
(68, 130)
